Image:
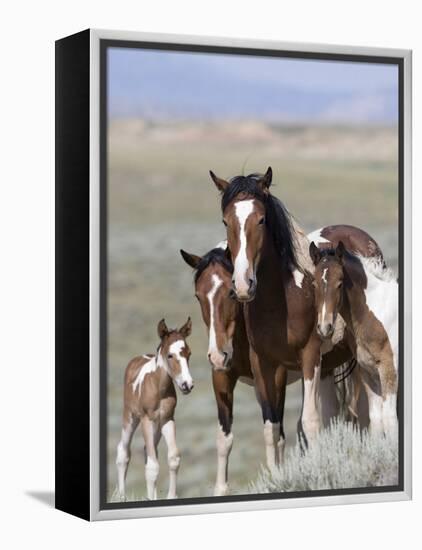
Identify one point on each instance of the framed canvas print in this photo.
(233, 292)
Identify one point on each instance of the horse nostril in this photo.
(232, 293)
(329, 327)
(252, 285)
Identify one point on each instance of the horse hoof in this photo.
(221, 490)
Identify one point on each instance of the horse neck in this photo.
(270, 258)
(353, 308)
(165, 381)
(270, 264)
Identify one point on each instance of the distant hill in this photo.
(159, 85)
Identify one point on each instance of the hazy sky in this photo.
(158, 84)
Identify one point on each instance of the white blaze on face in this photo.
(212, 342)
(243, 210)
(184, 376)
(325, 320)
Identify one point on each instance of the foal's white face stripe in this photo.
(243, 210)
(324, 276)
(176, 349)
(216, 284)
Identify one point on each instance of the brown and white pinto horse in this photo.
(359, 242)
(150, 399)
(365, 293)
(272, 277)
(228, 348)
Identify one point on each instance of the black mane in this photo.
(277, 217)
(330, 252)
(214, 256)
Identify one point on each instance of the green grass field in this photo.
(161, 199)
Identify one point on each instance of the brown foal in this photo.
(365, 293)
(150, 399)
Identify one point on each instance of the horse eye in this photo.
(261, 221)
(340, 284)
(169, 356)
(225, 223)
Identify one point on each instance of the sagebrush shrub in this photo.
(342, 457)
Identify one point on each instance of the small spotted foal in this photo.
(150, 399)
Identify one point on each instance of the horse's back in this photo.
(355, 240)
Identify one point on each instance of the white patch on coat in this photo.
(216, 284)
(298, 277)
(317, 237)
(324, 276)
(184, 376)
(241, 264)
(382, 298)
(151, 366)
(224, 447)
(310, 412)
(222, 245)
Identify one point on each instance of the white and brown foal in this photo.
(365, 293)
(150, 399)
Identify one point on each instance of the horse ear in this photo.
(219, 182)
(162, 329)
(191, 259)
(340, 250)
(314, 253)
(266, 179)
(186, 329)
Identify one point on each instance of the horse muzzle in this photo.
(325, 330)
(219, 360)
(246, 291)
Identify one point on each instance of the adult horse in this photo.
(228, 347)
(272, 277)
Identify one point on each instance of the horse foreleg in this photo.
(329, 403)
(123, 452)
(224, 383)
(151, 467)
(281, 382)
(269, 397)
(311, 368)
(173, 455)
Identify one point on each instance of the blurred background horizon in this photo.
(195, 86)
(329, 131)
